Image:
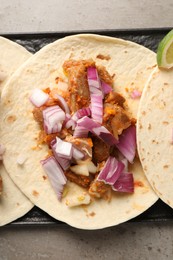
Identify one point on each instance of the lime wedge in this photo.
(165, 52)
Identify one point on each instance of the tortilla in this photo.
(155, 133)
(132, 65)
(12, 56)
(13, 203)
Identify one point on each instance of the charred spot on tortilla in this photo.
(11, 118)
(140, 126)
(166, 166)
(139, 184)
(44, 177)
(165, 123)
(103, 57)
(35, 193)
(152, 67)
(149, 127)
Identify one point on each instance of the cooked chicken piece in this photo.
(115, 119)
(78, 84)
(104, 75)
(115, 98)
(99, 189)
(100, 150)
(83, 181)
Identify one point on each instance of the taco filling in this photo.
(91, 138)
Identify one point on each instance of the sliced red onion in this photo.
(125, 162)
(38, 97)
(98, 130)
(81, 132)
(63, 103)
(63, 149)
(81, 113)
(93, 79)
(97, 107)
(55, 175)
(125, 183)
(64, 163)
(53, 119)
(77, 154)
(135, 94)
(111, 171)
(106, 88)
(127, 143)
(70, 123)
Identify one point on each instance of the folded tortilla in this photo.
(155, 133)
(13, 203)
(132, 65)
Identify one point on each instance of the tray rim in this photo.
(134, 31)
(47, 34)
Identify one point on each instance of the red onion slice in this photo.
(64, 163)
(53, 119)
(97, 107)
(55, 175)
(127, 143)
(63, 103)
(125, 183)
(135, 94)
(80, 132)
(93, 79)
(81, 113)
(98, 130)
(77, 154)
(63, 149)
(111, 171)
(38, 97)
(106, 88)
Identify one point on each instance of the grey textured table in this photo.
(126, 241)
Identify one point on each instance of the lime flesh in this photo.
(165, 51)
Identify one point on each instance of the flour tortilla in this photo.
(12, 55)
(132, 65)
(13, 203)
(155, 133)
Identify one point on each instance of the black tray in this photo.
(146, 37)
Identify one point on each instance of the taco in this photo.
(13, 203)
(155, 133)
(78, 77)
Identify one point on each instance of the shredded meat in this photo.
(83, 181)
(100, 150)
(99, 189)
(45, 138)
(78, 85)
(115, 119)
(38, 114)
(115, 98)
(104, 75)
(1, 185)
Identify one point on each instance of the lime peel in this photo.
(165, 52)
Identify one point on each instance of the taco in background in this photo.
(57, 80)
(13, 203)
(155, 133)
